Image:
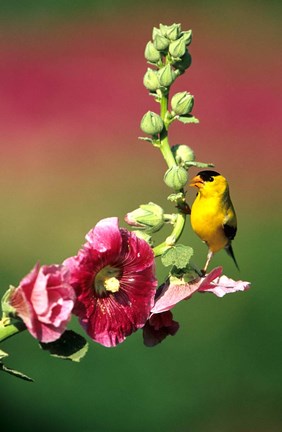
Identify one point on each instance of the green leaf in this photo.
(4, 368)
(146, 139)
(70, 346)
(187, 119)
(199, 164)
(17, 374)
(178, 256)
(3, 354)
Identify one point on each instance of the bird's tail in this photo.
(230, 252)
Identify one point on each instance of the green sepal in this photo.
(144, 236)
(187, 119)
(185, 275)
(70, 346)
(10, 371)
(178, 256)
(176, 197)
(199, 164)
(146, 139)
(7, 309)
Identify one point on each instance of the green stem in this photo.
(174, 236)
(170, 160)
(164, 143)
(9, 329)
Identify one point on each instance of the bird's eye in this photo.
(211, 179)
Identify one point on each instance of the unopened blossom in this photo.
(44, 301)
(113, 275)
(158, 327)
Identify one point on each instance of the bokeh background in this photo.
(71, 101)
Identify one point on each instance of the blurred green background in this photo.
(71, 101)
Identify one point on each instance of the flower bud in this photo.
(187, 37)
(182, 154)
(156, 32)
(172, 32)
(151, 53)
(177, 48)
(182, 103)
(184, 63)
(148, 217)
(166, 76)
(176, 177)
(151, 80)
(160, 42)
(151, 123)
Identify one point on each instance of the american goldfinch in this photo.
(213, 216)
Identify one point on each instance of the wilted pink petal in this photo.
(176, 290)
(44, 301)
(223, 285)
(158, 327)
(113, 275)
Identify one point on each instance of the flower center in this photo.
(107, 280)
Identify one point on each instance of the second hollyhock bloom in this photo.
(44, 300)
(113, 275)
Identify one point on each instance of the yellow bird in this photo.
(213, 216)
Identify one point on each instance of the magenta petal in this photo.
(44, 301)
(109, 317)
(105, 236)
(158, 327)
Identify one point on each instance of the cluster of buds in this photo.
(169, 47)
(168, 53)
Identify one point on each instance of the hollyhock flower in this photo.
(158, 327)
(44, 301)
(113, 276)
(176, 290)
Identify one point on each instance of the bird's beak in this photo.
(197, 181)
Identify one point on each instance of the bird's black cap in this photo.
(208, 175)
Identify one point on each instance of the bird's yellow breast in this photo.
(208, 215)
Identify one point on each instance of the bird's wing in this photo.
(229, 231)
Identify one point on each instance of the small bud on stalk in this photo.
(148, 217)
(166, 76)
(182, 103)
(151, 53)
(182, 154)
(151, 123)
(151, 80)
(176, 178)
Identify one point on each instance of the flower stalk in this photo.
(9, 328)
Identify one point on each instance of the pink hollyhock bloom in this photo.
(176, 290)
(44, 301)
(158, 327)
(113, 276)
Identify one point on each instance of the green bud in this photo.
(149, 217)
(144, 236)
(156, 32)
(177, 48)
(161, 42)
(151, 53)
(172, 32)
(151, 123)
(182, 103)
(187, 37)
(182, 154)
(166, 76)
(151, 80)
(176, 177)
(184, 63)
